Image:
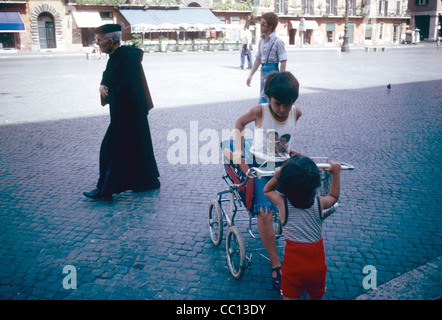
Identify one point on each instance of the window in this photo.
(383, 8)
(235, 20)
(366, 5)
(332, 7)
(395, 33)
(281, 6)
(330, 29)
(106, 16)
(308, 7)
(421, 2)
(235, 34)
(381, 30)
(398, 8)
(7, 40)
(368, 31)
(352, 8)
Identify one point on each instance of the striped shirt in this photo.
(303, 225)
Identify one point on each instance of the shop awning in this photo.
(11, 21)
(170, 19)
(87, 19)
(309, 24)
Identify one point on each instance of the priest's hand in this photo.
(104, 91)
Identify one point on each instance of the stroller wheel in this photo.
(215, 223)
(236, 252)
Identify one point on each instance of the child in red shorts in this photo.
(304, 266)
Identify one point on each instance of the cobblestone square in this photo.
(156, 245)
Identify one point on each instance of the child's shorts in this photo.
(304, 267)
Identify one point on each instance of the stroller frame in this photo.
(237, 259)
(239, 178)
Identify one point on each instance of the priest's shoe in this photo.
(96, 194)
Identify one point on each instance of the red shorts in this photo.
(304, 267)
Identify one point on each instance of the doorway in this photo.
(292, 36)
(423, 24)
(46, 31)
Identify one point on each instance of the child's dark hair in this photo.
(298, 180)
(282, 86)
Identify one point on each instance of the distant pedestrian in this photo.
(271, 52)
(301, 216)
(96, 49)
(127, 160)
(246, 47)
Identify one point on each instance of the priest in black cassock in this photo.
(127, 160)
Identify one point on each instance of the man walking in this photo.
(127, 160)
(246, 47)
(271, 52)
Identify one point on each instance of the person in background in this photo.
(96, 49)
(246, 47)
(271, 54)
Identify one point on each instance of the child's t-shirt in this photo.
(273, 138)
(303, 225)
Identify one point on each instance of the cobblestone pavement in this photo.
(156, 245)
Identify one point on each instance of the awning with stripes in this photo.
(151, 20)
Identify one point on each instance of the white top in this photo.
(273, 138)
(246, 37)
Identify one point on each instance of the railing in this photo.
(191, 45)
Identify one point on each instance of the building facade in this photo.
(371, 22)
(67, 25)
(426, 15)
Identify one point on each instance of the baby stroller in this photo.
(239, 197)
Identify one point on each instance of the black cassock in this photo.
(127, 160)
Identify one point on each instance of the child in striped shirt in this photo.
(300, 209)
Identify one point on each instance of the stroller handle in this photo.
(259, 172)
(344, 166)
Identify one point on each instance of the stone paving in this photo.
(156, 245)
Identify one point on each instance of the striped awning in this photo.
(151, 20)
